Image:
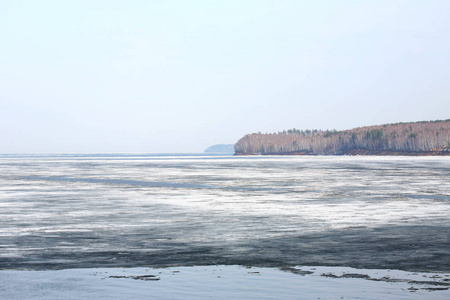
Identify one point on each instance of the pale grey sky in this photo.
(179, 76)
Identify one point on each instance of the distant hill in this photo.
(418, 138)
(220, 149)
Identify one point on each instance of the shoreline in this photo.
(357, 152)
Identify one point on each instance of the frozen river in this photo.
(81, 211)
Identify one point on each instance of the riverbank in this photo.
(363, 152)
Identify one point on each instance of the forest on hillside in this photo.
(421, 138)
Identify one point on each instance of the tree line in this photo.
(421, 136)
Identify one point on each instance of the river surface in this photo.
(84, 211)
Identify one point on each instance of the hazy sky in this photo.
(179, 76)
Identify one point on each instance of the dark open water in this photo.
(77, 211)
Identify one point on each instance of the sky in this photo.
(179, 76)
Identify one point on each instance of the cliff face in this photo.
(419, 138)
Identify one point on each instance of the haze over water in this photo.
(129, 210)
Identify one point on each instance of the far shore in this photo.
(356, 152)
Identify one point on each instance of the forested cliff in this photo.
(418, 138)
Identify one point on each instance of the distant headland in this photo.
(220, 149)
(425, 138)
